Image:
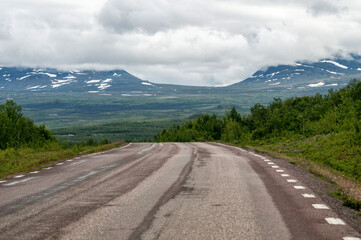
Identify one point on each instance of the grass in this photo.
(328, 156)
(27, 159)
(354, 204)
(328, 151)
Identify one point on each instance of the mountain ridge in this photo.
(322, 73)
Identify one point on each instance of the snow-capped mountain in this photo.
(27, 79)
(303, 75)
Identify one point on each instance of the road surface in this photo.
(166, 191)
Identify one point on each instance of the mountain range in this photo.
(302, 75)
(325, 73)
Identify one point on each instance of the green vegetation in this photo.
(78, 109)
(19, 131)
(115, 131)
(27, 159)
(323, 129)
(354, 204)
(26, 147)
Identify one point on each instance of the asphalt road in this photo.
(166, 191)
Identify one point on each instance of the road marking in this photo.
(275, 166)
(299, 187)
(285, 175)
(351, 238)
(2, 181)
(320, 206)
(267, 160)
(335, 221)
(81, 161)
(60, 163)
(19, 176)
(13, 183)
(279, 170)
(270, 163)
(69, 160)
(306, 195)
(291, 180)
(87, 175)
(48, 168)
(34, 172)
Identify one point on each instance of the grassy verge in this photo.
(27, 159)
(326, 156)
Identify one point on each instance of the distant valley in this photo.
(68, 99)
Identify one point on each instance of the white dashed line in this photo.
(351, 238)
(19, 176)
(34, 172)
(13, 183)
(299, 187)
(335, 221)
(81, 161)
(291, 180)
(275, 167)
(285, 175)
(279, 170)
(320, 206)
(69, 160)
(266, 160)
(48, 168)
(306, 195)
(58, 164)
(2, 181)
(270, 163)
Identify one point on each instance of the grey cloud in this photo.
(204, 42)
(323, 7)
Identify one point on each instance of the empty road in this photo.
(166, 191)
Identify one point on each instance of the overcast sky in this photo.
(193, 42)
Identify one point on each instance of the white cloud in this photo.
(204, 42)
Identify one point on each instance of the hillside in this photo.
(325, 73)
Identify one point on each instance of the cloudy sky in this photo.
(193, 42)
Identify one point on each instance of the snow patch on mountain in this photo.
(331, 72)
(320, 84)
(92, 81)
(274, 84)
(104, 86)
(22, 78)
(58, 83)
(335, 63)
(51, 75)
(36, 87)
(148, 84)
(272, 74)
